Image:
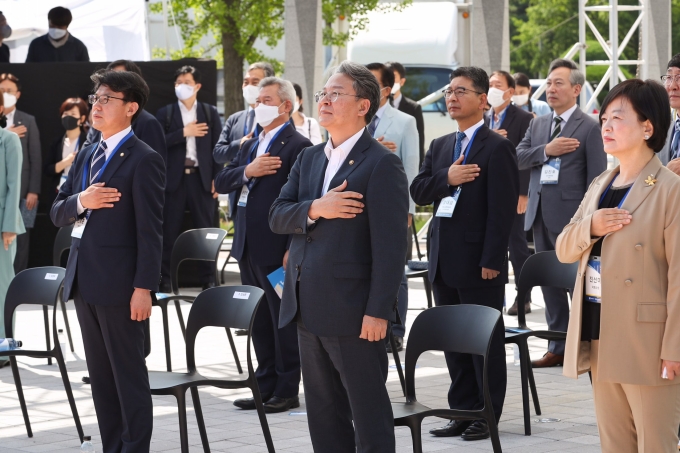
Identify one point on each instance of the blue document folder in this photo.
(276, 279)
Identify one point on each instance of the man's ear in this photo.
(132, 109)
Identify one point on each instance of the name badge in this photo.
(79, 228)
(594, 280)
(243, 199)
(448, 204)
(550, 173)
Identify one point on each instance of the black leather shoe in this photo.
(249, 403)
(453, 429)
(86, 379)
(399, 341)
(478, 430)
(277, 404)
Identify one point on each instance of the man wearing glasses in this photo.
(471, 177)
(670, 154)
(345, 206)
(113, 196)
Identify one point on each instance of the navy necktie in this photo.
(458, 148)
(98, 159)
(373, 125)
(249, 121)
(676, 140)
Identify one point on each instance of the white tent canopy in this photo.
(110, 29)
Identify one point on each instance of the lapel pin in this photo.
(650, 181)
(283, 143)
(122, 154)
(351, 162)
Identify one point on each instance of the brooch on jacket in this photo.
(650, 181)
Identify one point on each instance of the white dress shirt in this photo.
(565, 118)
(188, 116)
(10, 118)
(469, 132)
(396, 101)
(111, 144)
(264, 140)
(496, 118)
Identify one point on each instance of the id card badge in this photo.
(448, 204)
(79, 228)
(550, 173)
(243, 199)
(594, 280)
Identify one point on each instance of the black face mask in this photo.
(69, 122)
(3, 121)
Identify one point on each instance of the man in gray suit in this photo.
(565, 153)
(345, 206)
(670, 153)
(25, 127)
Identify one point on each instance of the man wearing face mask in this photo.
(407, 105)
(257, 174)
(5, 32)
(25, 127)
(512, 123)
(191, 131)
(58, 45)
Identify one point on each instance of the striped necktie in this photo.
(676, 140)
(98, 159)
(458, 148)
(558, 128)
(373, 125)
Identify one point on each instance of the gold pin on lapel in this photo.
(650, 181)
(283, 143)
(351, 162)
(122, 154)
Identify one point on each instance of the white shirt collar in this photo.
(114, 140)
(470, 131)
(396, 101)
(183, 107)
(271, 133)
(381, 110)
(345, 147)
(566, 115)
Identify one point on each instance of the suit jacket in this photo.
(666, 154)
(515, 123)
(31, 170)
(10, 184)
(177, 145)
(411, 107)
(229, 142)
(400, 128)
(345, 268)
(146, 127)
(577, 169)
(121, 246)
(477, 233)
(640, 310)
(265, 248)
(55, 155)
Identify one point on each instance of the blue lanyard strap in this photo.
(607, 190)
(500, 121)
(257, 144)
(113, 153)
(466, 152)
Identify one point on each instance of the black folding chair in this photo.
(62, 243)
(228, 307)
(199, 245)
(37, 286)
(466, 329)
(540, 269)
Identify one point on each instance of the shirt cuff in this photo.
(545, 156)
(80, 207)
(245, 178)
(310, 221)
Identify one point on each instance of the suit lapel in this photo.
(385, 121)
(116, 160)
(641, 189)
(573, 123)
(478, 143)
(278, 145)
(318, 172)
(355, 157)
(509, 117)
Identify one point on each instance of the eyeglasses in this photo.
(332, 96)
(669, 79)
(460, 91)
(103, 100)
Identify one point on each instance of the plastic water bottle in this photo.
(8, 344)
(516, 349)
(87, 444)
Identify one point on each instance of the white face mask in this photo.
(520, 99)
(265, 114)
(396, 87)
(296, 106)
(250, 94)
(184, 91)
(495, 97)
(9, 100)
(56, 33)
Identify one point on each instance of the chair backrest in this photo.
(35, 286)
(452, 328)
(61, 243)
(543, 269)
(202, 244)
(223, 306)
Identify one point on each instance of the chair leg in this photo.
(397, 363)
(181, 320)
(182, 413)
(428, 291)
(416, 436)
(69, 395)
(524, 365)
(224, 266)
(199, 419)
(20, 393)
(263, 417)
(532, 383)
(47, 332)
(166, 336)
(66, 324)
(233, 351)
(493, 432)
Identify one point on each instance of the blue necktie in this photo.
(98, 159)
(249, 121)
(459, 145)
(373, 125)
(676, 139)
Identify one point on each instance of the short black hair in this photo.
(298, 93)
(396, 66)
(386, 74)
(195, 73)
(506, 75)
(60, 16)
(129, 65)
(12, 78)
(478, 77)
(650, 101)
(133, 87)
(522, 80)
(675, 62)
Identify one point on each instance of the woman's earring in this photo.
(646, 137)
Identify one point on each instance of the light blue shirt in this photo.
(539, 107)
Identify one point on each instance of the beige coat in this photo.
(640, 320)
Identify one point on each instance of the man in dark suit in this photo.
(345, 205)
(257, 175)
(58, 44)
(512, 122)
(146, 127)
(571, 141)
(191, 131)
(114, 195)
(473, 173)
(407, 105)
(26, 128)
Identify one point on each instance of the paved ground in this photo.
(232, 430)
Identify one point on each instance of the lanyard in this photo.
(257, 144)
(607, 190)
(101, 172)
(469, 146)
(500, 121)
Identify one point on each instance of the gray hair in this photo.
(286, 90)
(267, 68)
(364, 84)
(576, 76)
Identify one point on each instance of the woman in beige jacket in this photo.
(624, 325)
